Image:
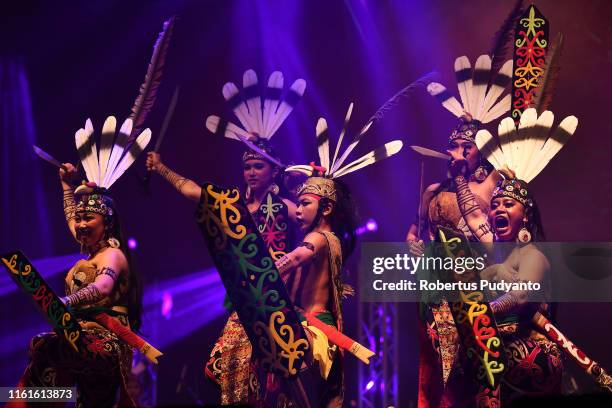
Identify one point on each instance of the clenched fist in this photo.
(154, 162)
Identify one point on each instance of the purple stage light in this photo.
(132, 244)
(369, 385)
(371, 225)
(166, 307)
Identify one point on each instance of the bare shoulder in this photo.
(112, 258)
(532, 254)
(432, 187)
(428, 193)
(317, 240)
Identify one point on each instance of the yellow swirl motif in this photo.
(488, 368)
(531, 22)
(221, 226)
(12, 266)
(71, 335)
(280, 344)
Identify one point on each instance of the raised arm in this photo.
(474, 216)
(110, 264)
(183, 185)
(67, 177)
(414, 236)
(312, 246)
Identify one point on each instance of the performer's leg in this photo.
(49, 366)
(236, 370)
(106, 371)
(534, 367)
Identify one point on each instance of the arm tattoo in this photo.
(306, 245)
(505, 303)
(284, 264)
(107, 271)
(69, 204)
(85, 296)
(173, 178)
(465, 197)
(483, 229)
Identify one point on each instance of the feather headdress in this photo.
(260, 115)
(114, 157)
(321, 177)
(524, 151)
(480, 102)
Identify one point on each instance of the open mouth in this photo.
(82, 234)
(501, 224)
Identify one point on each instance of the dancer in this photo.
(480, 89)
(103, 283)
(267, 200)
(312, 272)
(514, 217)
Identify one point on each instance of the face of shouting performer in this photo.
(307, 211)
(507, 216)
(89, 227)
(259, 174)
(468, 150)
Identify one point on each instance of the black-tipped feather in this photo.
(502, 40)
(548, 80)
(403, 93)
(148, 90)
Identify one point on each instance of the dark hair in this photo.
(343, 220)
(534, 221)
(134, 297)
(279, 180)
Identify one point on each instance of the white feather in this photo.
(380, 153)
(106, 143)
(483, 63)
(534, 141)
(139, 145)
(323, 143)
(253, 103)
(284, 109)
(230, 90)
(347, 118)
(495, 91)
(276, 81)
(518, 143)
(80, 139)
(120, 142)
(451, 104)
(465, 87)
(507, 132)
(490, 149)
(300, 168)
(553, 145)
(498, 109)
(231, 131)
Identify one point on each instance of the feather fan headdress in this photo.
(480, 90)
(524, 151)
(104, 167)
(321, 178)
(260, 115)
